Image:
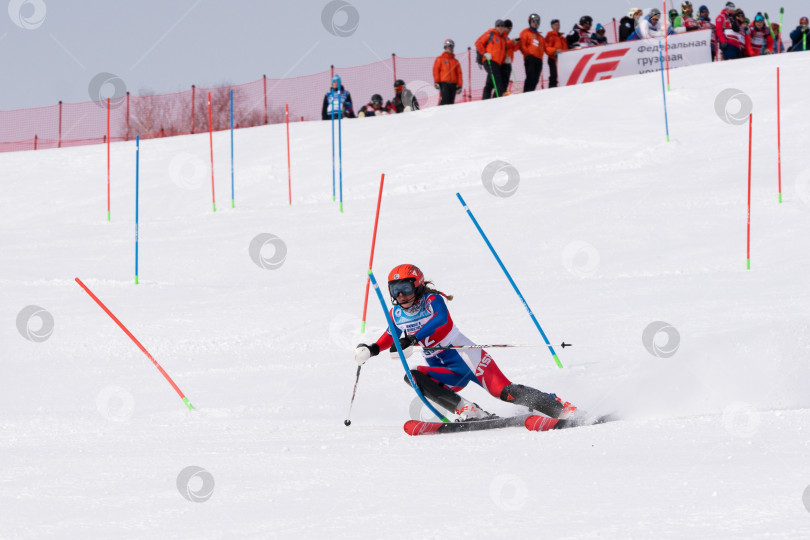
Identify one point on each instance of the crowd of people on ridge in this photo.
(733, 36)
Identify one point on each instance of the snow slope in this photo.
(611, 229)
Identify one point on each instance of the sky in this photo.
(52, 51)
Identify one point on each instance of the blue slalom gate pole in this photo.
(332, 107)
(340, 150)
(663, 88)
(514, 286)
(137, 186)
(394, 333)
(232, 194)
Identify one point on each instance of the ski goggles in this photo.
(404, 287)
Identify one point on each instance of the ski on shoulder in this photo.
(416, 427)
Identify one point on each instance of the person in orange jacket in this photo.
(506, 67)
(532, 46)
(491, 47)
(555, 44)
(447, 74)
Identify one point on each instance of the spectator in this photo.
(758, 40)
(628, 23)
(339, 101)
(599, 35)
(649, 26)
(506, 67)
(447, 74)
(705, 23)
(580, 34)
(743, 29)
(555, 44)
(491, 46)
(403, 101)
(727, 29)
(374, 108)
(532, 45)
(799, 36)
(686, 19)
(778, 46)
(673, 17)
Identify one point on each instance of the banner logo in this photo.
(602, 67)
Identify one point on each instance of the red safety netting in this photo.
(254, 103)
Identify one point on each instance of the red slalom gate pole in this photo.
(779, 136)
(371, 259)
(748, 240)
(108, 159)
(289, 172)
(138, 343)
(211, 144)
(665, 16)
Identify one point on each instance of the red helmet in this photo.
(407, 279)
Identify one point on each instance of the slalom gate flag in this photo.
(632, 57)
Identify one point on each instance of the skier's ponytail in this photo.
(429, 288)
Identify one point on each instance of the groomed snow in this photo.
(611, 229)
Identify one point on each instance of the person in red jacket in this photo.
(555, 44)
(492, 48)
(759, 40)
(532, 46)
(729, 38)
(447, 74)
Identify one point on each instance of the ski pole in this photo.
(511, 281)
(332, 112)
(348, 422)
(495, 86)
(501, 346)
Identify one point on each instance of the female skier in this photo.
(420, 311)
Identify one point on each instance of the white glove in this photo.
(363, 352)
(507, 60)
(488, 56)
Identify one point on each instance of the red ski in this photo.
(416, 427)
(544, 423)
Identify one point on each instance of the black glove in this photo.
(363, 352)
(407, 343)
(723, 45)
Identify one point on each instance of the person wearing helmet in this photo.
(599, 36)
(799, 37)
(628, 23)
(532, 45)
(420, 311)
(650, 26)
(337, 100)
(491, 52)
(374, 107)
(447, 74)
(740, 24)
(685, 20)
(506, 68)
(776, 32)
(729, 39)
(555, 44)
(758, 40)
(704, 22)
(403, 101)
(580, 35)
